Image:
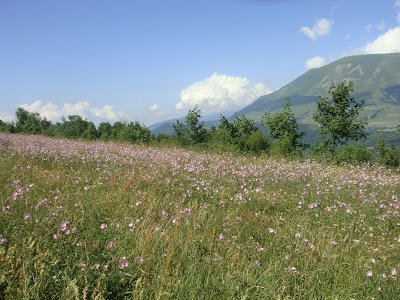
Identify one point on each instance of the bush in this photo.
(354, 153)
(283, 146)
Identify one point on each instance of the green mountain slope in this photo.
(376, 78)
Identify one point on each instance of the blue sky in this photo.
(153, 60)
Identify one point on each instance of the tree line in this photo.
(337, 117)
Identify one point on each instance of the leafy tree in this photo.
(91, 132)
(30, 122)
(284, 129)
(73, 127)
(104, 131)
(240, 134)
(338, 116)
(191, 131)
(135, 133)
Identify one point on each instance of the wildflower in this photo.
(86, 187)
(369, 273)
(257, 263)
(298, 235)
(103, 226)
(140, 260)
(270, 230)
(334, 243)
(393, 272)
(221, 237)
(64, 227)
(76, 182)
(384, 276)
(3, 240)
(27, 216)
(373, 260)
(81, 264)
(112, 244)
(123, 263)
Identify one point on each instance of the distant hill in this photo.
(376, 78)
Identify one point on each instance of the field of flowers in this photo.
(98, 220)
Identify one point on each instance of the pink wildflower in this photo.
(27, 216)
(123, 263)
(369, 273)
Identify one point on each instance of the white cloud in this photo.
(315, 62)
(381, 26)
(388, 42)
(5, 117)
(321, 27)
(54, 113)
(154, 107)
(397, 4)
(79, 108)
(107, 113)
(220, 92)
(398, 16)
(368, 28)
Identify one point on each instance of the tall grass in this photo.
(112, 221)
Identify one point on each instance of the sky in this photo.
(154, 60)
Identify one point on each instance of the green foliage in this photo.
(283, 127)
(354, 153)
(31, 123)
(387, 154)
(135, 133)
(239, 135)
(338, 116)
(73, 127)
(104, 131)
(191, 132)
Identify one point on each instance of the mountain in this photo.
(376, 78)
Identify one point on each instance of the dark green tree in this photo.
(284, 129)
(104, 131)
(337, 116)
(192, 131)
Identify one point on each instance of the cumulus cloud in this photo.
(5, 117)
(54, 113)
(219, 92)
(389, 42)
(321, 27)
(315, 62)
(154, 107)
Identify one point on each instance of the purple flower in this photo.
(140, 260)
(334, 243)
(123, 263)
(27, 216)
(81, 264)
(64, 227)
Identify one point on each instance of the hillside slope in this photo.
(376, 78)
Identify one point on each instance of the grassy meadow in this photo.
(94, 220)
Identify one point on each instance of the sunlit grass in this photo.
(98, 220)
